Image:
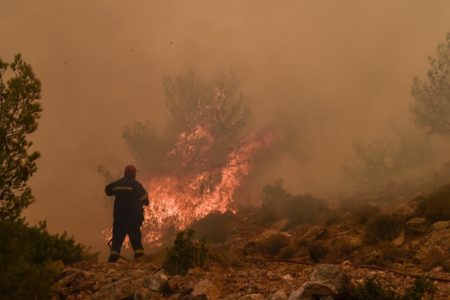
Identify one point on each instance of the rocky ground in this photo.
(275, 280)
(274, 261)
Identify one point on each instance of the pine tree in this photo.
(20, 109)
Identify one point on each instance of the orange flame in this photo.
(177, 201)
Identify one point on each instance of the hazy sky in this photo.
(329, 71)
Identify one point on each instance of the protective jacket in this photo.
(130, 198)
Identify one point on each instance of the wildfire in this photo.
(211, 163)
(177, 201)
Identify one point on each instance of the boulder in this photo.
(326, 281)
(440, 225)
(205, 289)
(313, 290)
(129, 286)
(314, 233)
(278, 295)
(416, 227)
(252, 297)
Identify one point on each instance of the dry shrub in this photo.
(214, 228)
(383, 227)
(287, 252)
(278, 204)
(341, 250)
(274, 243)
(224, 256)
(432, 259)
(373, 289)
(436, 206)
(364, 212)
(317, 251)
(390, 253)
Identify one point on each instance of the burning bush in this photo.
(278, 203)
(194, 166)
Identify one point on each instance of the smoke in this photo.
(324, 73)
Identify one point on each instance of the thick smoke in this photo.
(325, 73)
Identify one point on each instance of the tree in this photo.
(431, 108)
(20, 109)
(216, 107)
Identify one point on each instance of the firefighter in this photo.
(130, 197)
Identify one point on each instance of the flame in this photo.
(207, 176)
(177, 201)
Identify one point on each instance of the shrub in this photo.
(185, 254)
(383, 227)
(278, 203)
(26, 255)
(362, 213)
(317, 251)
(287, 252)
(372, 289)
(341, 250)
(214, 228)
(274, 243)
(432, 259)
(435, 207)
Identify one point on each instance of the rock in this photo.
(416, 227)
(400, 240)
(313, 290)
(288, 277)
(278, 295)
(128, 286)
(329, 274)
(252, 297)
(207, 289)
(314, 233)
(280, 225)
(440, 225)
(156, 282)
(355, 241)
(268, 233)
(272, 276)
(326, 281)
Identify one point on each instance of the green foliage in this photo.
(278, 203)
(380, 168)
(216, 106)
(19, 110)
(372, 289)
(214, 228)
(317, 251)
(26, 256)
(383, 227)
(218, 103)
(274, 243)
(185, 254)
(436, 206)
(431, 106)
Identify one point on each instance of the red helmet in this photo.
(130, 171)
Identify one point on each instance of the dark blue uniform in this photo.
(128, 214)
